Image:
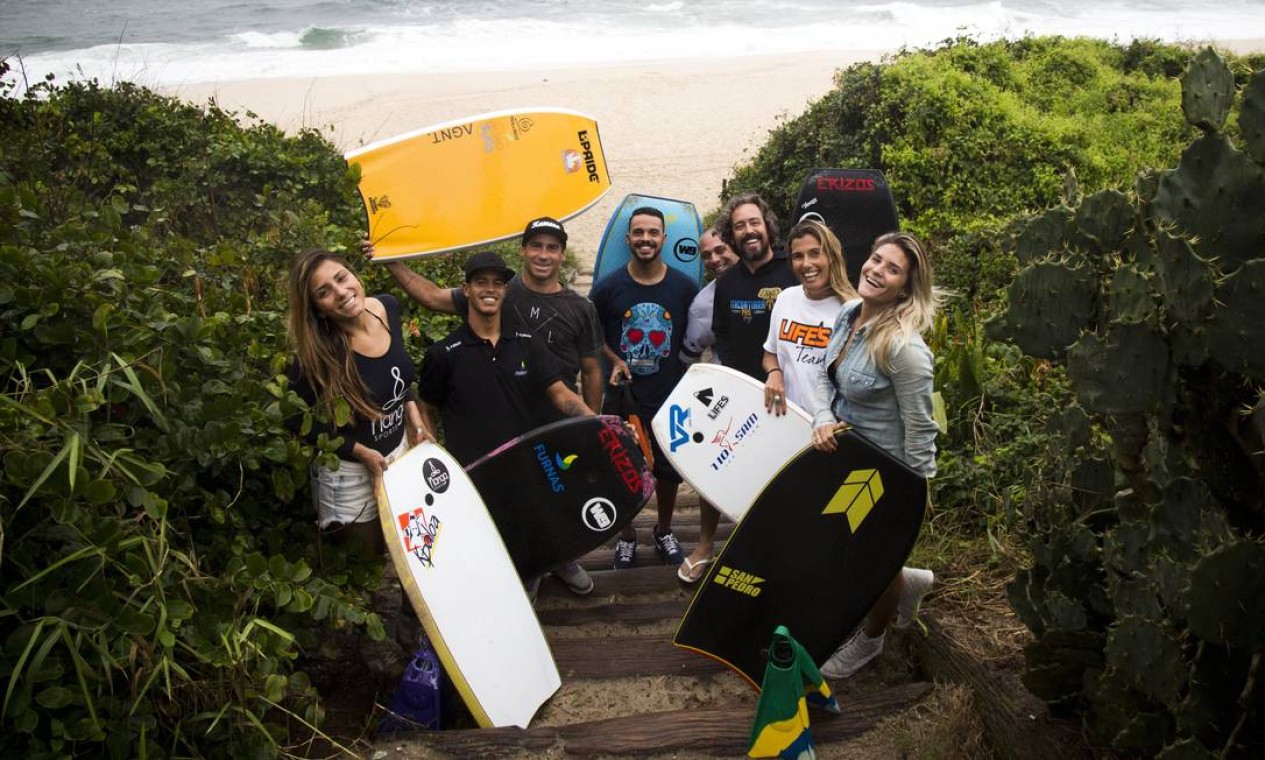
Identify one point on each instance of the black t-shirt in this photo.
(389, 380)
(486, 395)
(565, 321)
(645, 325)
(744, 303)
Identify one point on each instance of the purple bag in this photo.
(417, 703)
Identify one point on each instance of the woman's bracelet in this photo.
(768, 372)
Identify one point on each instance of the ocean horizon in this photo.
(165, 43)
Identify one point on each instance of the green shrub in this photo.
(156, 538)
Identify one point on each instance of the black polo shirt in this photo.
(487, 394)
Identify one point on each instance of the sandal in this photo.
(687, 570)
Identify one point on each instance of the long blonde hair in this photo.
(833, 249)
(322, 348)
(913, 314)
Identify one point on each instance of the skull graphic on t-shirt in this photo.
(646, 337)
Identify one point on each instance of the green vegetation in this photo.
(163, 588)
(163, 584)
(157, 544)
(1124, 449)
(970, 134)
(1147, 590)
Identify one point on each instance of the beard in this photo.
(747, 254)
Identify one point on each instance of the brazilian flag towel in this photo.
(791, 683)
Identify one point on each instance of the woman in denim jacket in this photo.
(877, 378)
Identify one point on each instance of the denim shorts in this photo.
(345, 495)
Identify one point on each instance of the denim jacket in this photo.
(891, 410)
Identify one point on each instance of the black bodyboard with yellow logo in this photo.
(814, 552)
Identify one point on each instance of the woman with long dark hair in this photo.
(351, 366)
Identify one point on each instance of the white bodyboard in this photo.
(715, 431)
(459, 578)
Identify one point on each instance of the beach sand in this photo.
(670, 128)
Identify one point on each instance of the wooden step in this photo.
(646, 579)
(628, 656)
(718, 731)
(626, 613)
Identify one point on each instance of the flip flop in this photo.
(686, 571)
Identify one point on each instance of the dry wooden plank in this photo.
(725, 731)
(1018, 724)
(647, 579)
(721, 731)
(622, 612)
(480, 742)
(627, 656)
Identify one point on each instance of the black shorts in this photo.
(663, 469)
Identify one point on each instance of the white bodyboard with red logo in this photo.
(460, 580)
(716, 433)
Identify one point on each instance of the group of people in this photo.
(790, 319)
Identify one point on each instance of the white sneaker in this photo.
(917, 584)
(576, 578)
(855, 653)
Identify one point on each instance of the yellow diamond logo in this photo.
(860, 491)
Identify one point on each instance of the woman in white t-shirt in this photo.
(803, 317)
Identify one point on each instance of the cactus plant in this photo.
(1207, 91)
(1214, 197)
(1050, 304)
(1236, 332)
(1121, 372)
(1106, 217)
(1148, 607)
(1252, 117)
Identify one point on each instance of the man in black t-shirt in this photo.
(536, 302)
(643, 308)
(740, 318)
(746, 292)
(486, 384)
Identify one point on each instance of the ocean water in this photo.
(177, 41)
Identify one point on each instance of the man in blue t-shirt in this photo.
(643, 309)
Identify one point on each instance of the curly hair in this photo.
(725, 225)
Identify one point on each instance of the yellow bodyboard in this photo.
(478, 180)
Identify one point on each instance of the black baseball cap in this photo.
(545, 224)
(487, 260)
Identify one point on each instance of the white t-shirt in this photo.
(799, 330)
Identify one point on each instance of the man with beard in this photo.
(745, 294)
(740, 321)
(643, 309)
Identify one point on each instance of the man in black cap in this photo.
(485, 381)
(536, 302)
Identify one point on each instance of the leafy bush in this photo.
(156, 540)
(970, 134)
